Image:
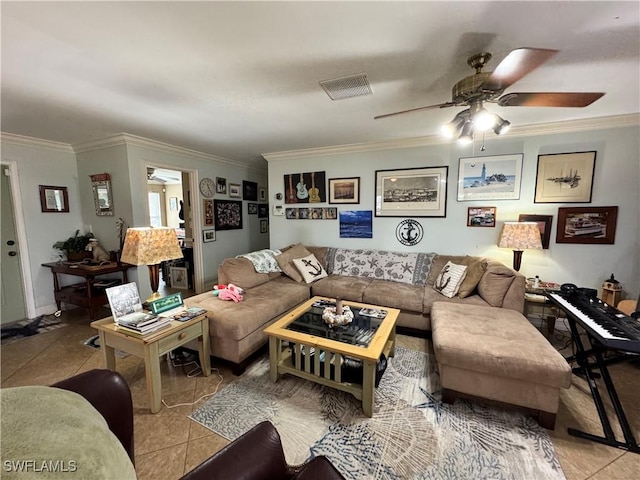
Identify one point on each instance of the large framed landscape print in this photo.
(565, 177)
(490, 178)
(411, 192)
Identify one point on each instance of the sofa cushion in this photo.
(394, 295)
(340, 286)
(431, 297)
(475, 270)
(494, 284)
(438, 263)
(450, 278)
(240, 272)
(285, 261)
(310, 268)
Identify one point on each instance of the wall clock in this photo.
(207, 187)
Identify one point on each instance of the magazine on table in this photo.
(159, 323)
(373, 312)
(126, 306)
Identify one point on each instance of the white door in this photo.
(155, 210)
(12, 303)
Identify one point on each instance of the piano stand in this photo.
(582, 357)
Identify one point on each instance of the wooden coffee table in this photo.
(152, 346)
(301, 344)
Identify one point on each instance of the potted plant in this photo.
(75, 247)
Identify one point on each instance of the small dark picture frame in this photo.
(544, 225)
(209, 235)
(591, 225)
(249, 191)
(481, 216)
(54, 199)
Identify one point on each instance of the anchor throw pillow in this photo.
(450, 278)
(310, 268)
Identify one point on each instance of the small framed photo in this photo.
(252, 208)
(179, 277)
(249, 191)
(481, 217)
(221, 185)
(595, 225)
(262, 194)
(544, 225)
(207, 212)
(411, 192)
(54, 199)
(263, 210)
(264, 226)
(344, 190)
(490, 178)
(173, 203)
(234, 190)
(565, 177)
(209, 235)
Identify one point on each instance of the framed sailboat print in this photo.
(565, 177)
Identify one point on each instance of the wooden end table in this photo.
(536, 298)
(152, 346)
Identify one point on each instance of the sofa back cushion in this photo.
(404, 267)
(240, 272)
(495, 283)
(286, 258)
(438, 263)
(476, 267)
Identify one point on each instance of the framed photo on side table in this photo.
(411, 192)
(587, 225)
(490, 178)
(544, 225)
(179, 278)
(565, 177)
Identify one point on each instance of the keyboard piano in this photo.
(610, 327)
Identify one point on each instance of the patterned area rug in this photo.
(412, 434)
(27, 328)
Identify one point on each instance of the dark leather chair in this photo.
(258, 455)
(109, 394)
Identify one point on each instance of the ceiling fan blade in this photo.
(428, 107)
(549, 99)
(516, 65)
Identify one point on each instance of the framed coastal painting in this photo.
(344, 190)
(490, 178)
(596, 225)
(544, 225)
(565, 177)
(411, 192)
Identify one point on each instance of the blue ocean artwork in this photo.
(356, 224)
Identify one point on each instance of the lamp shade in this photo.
(520, 236)
(150, 246)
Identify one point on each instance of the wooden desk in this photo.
(152, 346)
(84, 294)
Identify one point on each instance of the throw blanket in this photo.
(264, 261)
(403, 267)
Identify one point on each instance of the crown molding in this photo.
(24, 141)
(599, 123)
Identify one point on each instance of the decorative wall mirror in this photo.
(102, 199)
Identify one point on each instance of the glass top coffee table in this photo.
(302, 344)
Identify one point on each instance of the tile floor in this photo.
(168, 444)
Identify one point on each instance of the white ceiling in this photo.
(238, 79)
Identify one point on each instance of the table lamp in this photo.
(150, 246)
(520, 235)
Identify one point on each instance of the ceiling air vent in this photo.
(347, 87)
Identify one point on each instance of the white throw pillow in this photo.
(310, 268)
(450, 278)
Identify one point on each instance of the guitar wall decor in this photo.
(314, 193)
(298, 191)
(302, 193)
(291, 193)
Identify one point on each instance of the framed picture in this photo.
(587, 225)
(228, 214)
(249, 191)
(262, 194)
(207, 212)
(179, 277)
(263, 210)
(344, 190)
(356, 224)
(209, 235)
(490, 178)
(544, 224)
(173, 203)
(264, 226)
(54, 199)
(252, 208)
(221, 185)
(481, 217)
(565, 177)
(307, 187)
(411, 192)
(234, 190)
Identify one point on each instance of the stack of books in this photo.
(127, 311)
(145, 324)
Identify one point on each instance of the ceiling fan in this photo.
(488, 87)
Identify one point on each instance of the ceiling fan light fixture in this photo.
(466, 135)
(483, 120)
(502, 126)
